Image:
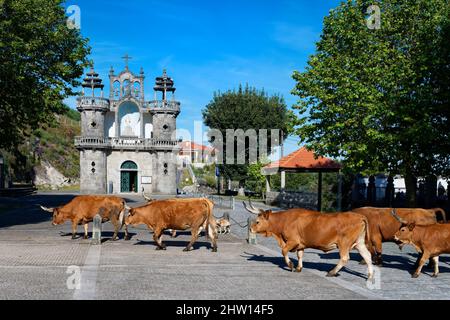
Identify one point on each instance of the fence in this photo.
(427, 195)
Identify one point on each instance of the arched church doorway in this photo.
(128, 177)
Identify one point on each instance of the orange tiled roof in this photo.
(304, 159)
(188, 145)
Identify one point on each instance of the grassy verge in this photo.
(67, 188)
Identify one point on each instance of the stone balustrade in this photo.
(125, 143)
(86, 102)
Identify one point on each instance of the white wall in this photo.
(110, 125)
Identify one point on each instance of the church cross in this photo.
(126, 58)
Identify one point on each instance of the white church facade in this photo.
(127, 144)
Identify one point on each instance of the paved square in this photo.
(35, 258)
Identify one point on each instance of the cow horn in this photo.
(46, 209)
(146, 198)
(397, 217)
(250, 209)
(251, 205)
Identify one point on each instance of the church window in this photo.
(130, 165)
(126, 88)
(137, 89)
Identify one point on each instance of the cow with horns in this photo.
(430, 241)
(173, 233)
(223, 224)
(383, 226)
(298, 229)
(176, 214)
(82, 210)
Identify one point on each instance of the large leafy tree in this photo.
(246, 108)
(41, 59)
(379, 98)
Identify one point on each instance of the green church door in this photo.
(128, 177)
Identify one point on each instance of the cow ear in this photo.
(266, 214)
(411, 226)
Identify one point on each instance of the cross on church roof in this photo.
(126, 58)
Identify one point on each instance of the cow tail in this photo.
(122, 213)
(369, 244)
(442, 212)
(211, 225)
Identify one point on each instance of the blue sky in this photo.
(205, 46)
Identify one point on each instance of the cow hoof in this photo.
(434, 275)
(331, 274)
(115, 238)
(187, 249)
(298, 270)
(74, 237)
(214, 250)
(85, 237)
(415, 275)
(362, 262)
(127, 238)
(160, 248)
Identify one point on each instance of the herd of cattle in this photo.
(363, 229)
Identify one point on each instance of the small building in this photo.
(299, 161)
(196, 154)
(127, 143)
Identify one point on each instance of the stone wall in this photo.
(165, 173)
(92, 124)
(287, 200)
(163, 126)
(92, 172)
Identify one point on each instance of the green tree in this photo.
(379, 98)
(256, 181)
(246, 108)
(41, 59)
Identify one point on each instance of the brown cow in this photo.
(299, 229)
(429, 240)
(176, 214)
(82, 210)
(383, 225)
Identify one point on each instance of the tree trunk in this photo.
(241, 191)
(411, 189)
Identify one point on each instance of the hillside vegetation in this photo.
(49, 144)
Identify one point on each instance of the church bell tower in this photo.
(93, 152)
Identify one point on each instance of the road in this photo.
(38, 261)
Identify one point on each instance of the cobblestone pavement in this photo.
(37, 261)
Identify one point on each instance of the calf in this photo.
(383, 226)
(429, 240)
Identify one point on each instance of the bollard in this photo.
(232, 203)
(251, 238)
(97, 231)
